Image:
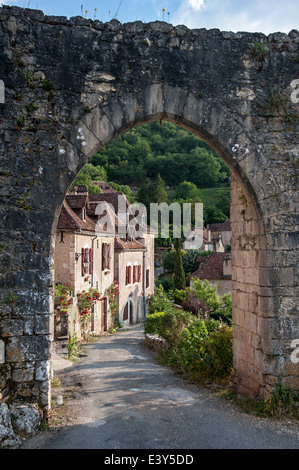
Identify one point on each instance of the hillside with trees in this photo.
(163, 163)
(152, 149)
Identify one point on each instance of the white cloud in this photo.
(235, 15)
(196, 4)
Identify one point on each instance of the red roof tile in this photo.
(211, 267)
(122, 244)
(69, 220)
(221, 227)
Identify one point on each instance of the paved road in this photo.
(123, 399)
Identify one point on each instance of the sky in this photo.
(265, 16)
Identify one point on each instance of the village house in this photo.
(210, 241)
(133, 256)
(222, 230)
(83, 261)
(215, 268)
(93, 251)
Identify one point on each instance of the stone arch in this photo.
(88, 82)
(249, 256)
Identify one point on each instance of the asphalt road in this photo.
(118, 397)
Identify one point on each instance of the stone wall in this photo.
(71, 86)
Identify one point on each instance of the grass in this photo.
(208, 196)
(284, 403)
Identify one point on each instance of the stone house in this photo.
(79, 261)
(133, 255)
(216, 268)
(223, 231)
(210, 241)
(91, 230)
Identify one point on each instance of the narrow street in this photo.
(119, 397)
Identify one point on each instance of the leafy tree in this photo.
(146, 151)
(169, 260)
(160, 301)
(186, 190)
(207, 168)
(213, 215)
(87, 175)
(159, 193)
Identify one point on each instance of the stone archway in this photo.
(71, 86)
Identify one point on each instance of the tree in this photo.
(179, 279)
(87, 175)
(186, 190)
(213, 215)
(159, 193)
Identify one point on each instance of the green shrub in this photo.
(169, 325)
(192, 347)
(284, 401)
(160, 301)
(172, 325)
(152, 323)
(166, 283)
(181, 295)
(219, 308)
(218, 352)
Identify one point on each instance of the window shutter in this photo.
(139, 273)
(130, 274)
(90, 261)
(134, 274)
(82, 262)
(127, 275)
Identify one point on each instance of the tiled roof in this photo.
(111, 198)
(69, 216)
(221, 227)
(121, 244)
(69, 220)
(211, 267)
(77, 201)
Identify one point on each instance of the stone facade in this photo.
(222, 230)
(68, 270)
(134, 271)
(71, 86)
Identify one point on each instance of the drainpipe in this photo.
(92, 240)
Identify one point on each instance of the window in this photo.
(128, 275)
(147, 282)
(136, 273)
(106, 256)
(86, 261)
